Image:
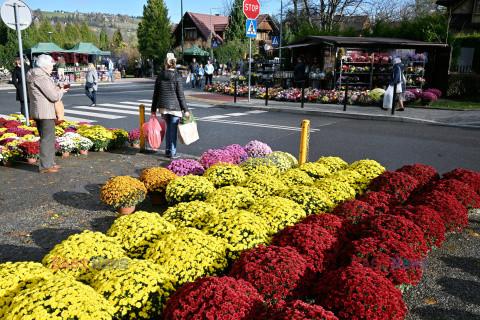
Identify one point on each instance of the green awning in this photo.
(84, 47)
(195, 51)
(44, 47)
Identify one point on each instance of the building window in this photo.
(477, 7)
(190, 34)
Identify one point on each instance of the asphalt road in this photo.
(393, 144)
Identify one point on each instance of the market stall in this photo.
(366, 62)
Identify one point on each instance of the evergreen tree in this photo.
(237, 23)
(153, 32)
(43, 30)
(103, 41)
(58, 35)
(72, 36)
(8, 46)
(117, 39)
(87, 34)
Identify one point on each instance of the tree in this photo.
(103, 40)
(30, 36)
(43, 30)
(117, 39)
(87, 34)
(72, 36)
(58, 35)
(237, 23)
(234, 50)
(153, 32)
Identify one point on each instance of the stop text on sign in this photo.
(251, 7)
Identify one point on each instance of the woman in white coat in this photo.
(91, 84)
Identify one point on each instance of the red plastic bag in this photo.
(154, 131)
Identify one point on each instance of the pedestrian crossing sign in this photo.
(275, 41)
(251, 28)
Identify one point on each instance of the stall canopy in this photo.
(44, 47)
(84, 47)
(195, 51)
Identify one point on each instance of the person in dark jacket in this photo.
(299, 72)
(397, 77)
(149, 68)
(17, 82)
(169, 99)
(193, 71)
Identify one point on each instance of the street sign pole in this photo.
(22, 65)
(249, 67)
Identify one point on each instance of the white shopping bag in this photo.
(187, 133)
(188, 78)
(388, 98)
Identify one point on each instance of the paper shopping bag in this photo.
(187, 133)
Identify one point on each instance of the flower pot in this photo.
(31, 160)
(83, 151)
(157, 199)
(136, 145)
(7, 164)
(65, 154)
(101, 150)
(125, 210)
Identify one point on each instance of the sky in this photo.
(135, 7)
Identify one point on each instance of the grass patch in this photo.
(451, 104)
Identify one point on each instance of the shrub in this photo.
(136, 232)
(312, 241)
(278, 212)
(134, 136)
(215, 298)
(460, 190)
(251, 169)
(240, 230)
(139, 291)
(195, 214)
(238, 152)
(428, 96)
(330, 222)
(278, 273)
(264, 185)
(436, 92)
(380, 201)
(282, 160)
(353, 178)
(356, 292)
(123, 191)
(370, 169)
(315, 170)
(464, 86)
(187, 254)
(336, 190)
(293, 177)
(225, 175)
(189, 188)
(59, 296)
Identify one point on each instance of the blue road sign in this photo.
(251, 28)
(214, 43)
(275, 41)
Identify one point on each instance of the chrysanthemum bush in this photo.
(257, 149)
(254, 166)
(136, 232)
(239, 230)
(356, 292)
(422, 173)
(156, 179)
(313, 242)
(379, 200)
(225, 174)
(470, 177)
(16, 277)
(370, 169)
(30, 149)
(183, 167)
(278, 212)
(461, 191)
(215, 298)
(263, 185)
(212, 156)
(59, 298)
(315, 170)
(231, 197)
(238, 152)
(65, 144)
(294, 177)
(358, 182)
(123, 191)
(100, 136)
(299, 310)
(278, 273)
(354, 211)
(188, 253)
(195, 214)
(189, 188)
(333, 163)
(311, 199)
(139, 291)
(119, 137)
(336, 190)
(398, 185)
(282, 160)
(72, 256)
(134, 136)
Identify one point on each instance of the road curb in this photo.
(359, 116)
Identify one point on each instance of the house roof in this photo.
(44, 47)
(364, 42)
(357, 21)
(262, 17)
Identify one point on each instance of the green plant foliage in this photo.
(236, 26)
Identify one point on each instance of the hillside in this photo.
(95, 20)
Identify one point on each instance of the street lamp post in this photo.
(181, 12)
(280, 42)
(50, 34)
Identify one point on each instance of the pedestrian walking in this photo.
(215, 68)
(398, 79)
(169, 100)
(110, 69)
(121, 68)
(193, 71)
(149, 68)
(208, 73)
(61, 68)
(201, 73)
(229, 65)
(17, 82)
(299, 73)
(91, 84)
(43, 93)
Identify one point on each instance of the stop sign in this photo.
(251, 8)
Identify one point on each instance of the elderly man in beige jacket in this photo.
(43, 93)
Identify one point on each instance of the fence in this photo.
(464, 68)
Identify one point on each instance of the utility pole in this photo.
(181, 12)
(281, 36)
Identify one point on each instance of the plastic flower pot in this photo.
(136, 145)
(7, 164)
(125, 210)
(31, 160)
(83, 151)
(65, 154)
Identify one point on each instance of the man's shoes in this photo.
(168, 153)
(383, 108)
(174, 156)
(92, 105)
(48, 170)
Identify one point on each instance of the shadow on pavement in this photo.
(442, 314)
(86, 201)
(13, 253)
(102, 224)
(466, 264)
(465, 290)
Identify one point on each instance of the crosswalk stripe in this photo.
(256, 111)
(133, 103)
(119, 106)
(236, 114)
(79, 119)
(214, 117)
(107, 110)
(92, 114)
(145, 100)
(253, 124)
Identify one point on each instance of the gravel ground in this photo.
(39, 211)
